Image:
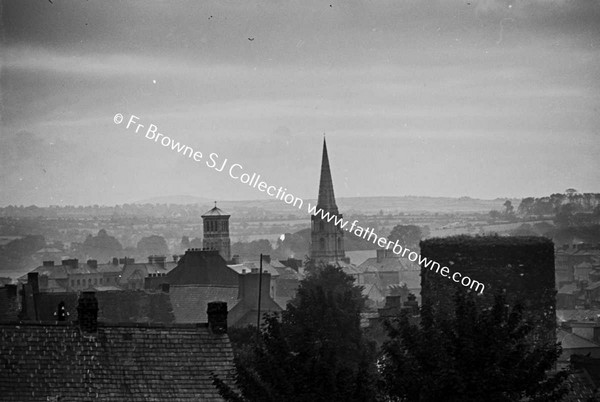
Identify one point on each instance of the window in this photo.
(322, 243)
(321, 226)
(72, 282)
(78, 283)
(101, 279)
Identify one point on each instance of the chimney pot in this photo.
(87, 312)
(217, 317)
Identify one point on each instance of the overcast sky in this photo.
(438, 98)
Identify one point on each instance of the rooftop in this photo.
(215, 212)
(59, 361)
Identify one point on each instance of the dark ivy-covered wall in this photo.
(522, 268)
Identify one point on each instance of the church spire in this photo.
(327, 238)
(326, 199)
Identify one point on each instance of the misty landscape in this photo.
(300, 201)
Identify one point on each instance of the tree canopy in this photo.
(152, 245)
(407, 235)
(316, 352)
(102, 246)
(473, 355)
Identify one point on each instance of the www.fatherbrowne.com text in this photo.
(237, 172)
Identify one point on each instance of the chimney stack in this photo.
(34, 282)
(92, 264)
(48, 263)
(380, 255)
(115, 261)
(266, 258)
(71, 262)
(217, 317)
(61, 312)
(165, 287)
(87, 312)
(160, 260)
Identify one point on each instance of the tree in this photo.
(570, 192)
(564, 216)
(524, 230)
(472, 355)
(509, 210)
(253, 249)
(407, 235)
(317, 351)
(495, 214)
(152, 245)
(526, 205)
(185, 242)
(293, 244)
(102, 246)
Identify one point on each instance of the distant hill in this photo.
(175, 199)
(372, 205)
(357, 204)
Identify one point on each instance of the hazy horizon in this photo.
(486, 99)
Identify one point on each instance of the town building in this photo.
(202, 276)
(284, 280)
(72, 275)
(135, 273)
(91, 360)
(387, 269)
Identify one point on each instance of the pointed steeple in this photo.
(326, 199)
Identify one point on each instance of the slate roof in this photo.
(359, 256)
(146, 269)
(568, 289)
(577, 315)
(215, 212)
(189, 302)
(388, 265)
(572, 341)
(200, 267)
(51, 362)
(63, 271)
(248, 266)
(593, 286)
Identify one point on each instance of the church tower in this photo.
(327, 238)
(216, 232)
